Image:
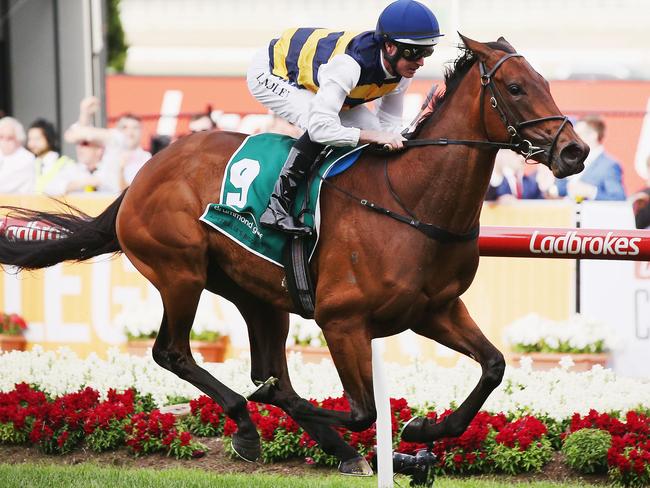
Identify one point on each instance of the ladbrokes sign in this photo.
(18, 230)
(572, 243)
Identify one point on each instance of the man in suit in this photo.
(602, 176)
(512, 180)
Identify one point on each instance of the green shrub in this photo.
(586, 450)
(514, 460)
(109, 437)
(556, 429)
(11, 435)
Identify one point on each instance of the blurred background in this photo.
(156, 70)
(165, 60)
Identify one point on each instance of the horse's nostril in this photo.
(573, 153)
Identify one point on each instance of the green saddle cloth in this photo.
(248, 182)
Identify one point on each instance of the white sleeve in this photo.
(336, 78)
(390, 107)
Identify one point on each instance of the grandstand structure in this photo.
(577, 39)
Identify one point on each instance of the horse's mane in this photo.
(453, 76)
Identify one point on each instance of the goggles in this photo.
(412, 52)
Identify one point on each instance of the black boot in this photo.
(296, 168)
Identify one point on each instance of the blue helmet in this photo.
(409, 22)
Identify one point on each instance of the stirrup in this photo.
(263, 389)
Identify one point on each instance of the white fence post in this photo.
(384, 430)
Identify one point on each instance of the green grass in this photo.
(92, 475)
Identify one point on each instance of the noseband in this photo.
(517, 141)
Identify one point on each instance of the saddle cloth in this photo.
(248, 182)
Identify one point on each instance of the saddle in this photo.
(248, 181)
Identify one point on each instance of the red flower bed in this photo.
(492, 442)
(471, 452)
(61, 424)
(153, 431)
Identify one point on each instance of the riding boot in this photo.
(296, 168)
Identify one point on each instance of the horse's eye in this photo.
(514, 89)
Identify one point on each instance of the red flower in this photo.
(18, 320)
(306, 441)
(470, 457)
(229, 427)
(405, 414)
(185, 437)
(62, 438)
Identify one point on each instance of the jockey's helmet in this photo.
(408, 22)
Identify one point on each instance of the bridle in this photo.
(517, 141)
(525, 147)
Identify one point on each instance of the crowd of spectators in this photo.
(106, 159)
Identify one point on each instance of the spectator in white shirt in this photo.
(16, 162)
(123, 156)
(89, 158)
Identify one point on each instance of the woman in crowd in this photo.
(53, 171)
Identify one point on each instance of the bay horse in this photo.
(374, 276)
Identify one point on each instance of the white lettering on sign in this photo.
(572, 243)
(58, 285)
(31, 231)
(106, 329)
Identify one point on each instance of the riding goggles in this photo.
(411, 52)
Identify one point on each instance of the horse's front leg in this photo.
(454, 328)
(349, 344)
(267, 331)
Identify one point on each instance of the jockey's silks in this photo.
(298, 53)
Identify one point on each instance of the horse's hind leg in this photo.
(267, 330)
(169, 247)
(455, 329)
(172, 351)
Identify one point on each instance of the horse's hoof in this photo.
(357, 466)
(413, 430)
(247, 449)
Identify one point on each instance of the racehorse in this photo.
(375, 276)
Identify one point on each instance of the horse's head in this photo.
(518, 108)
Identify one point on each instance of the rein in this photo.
(517, 143)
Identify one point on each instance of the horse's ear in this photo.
(478, 48)
(502, 40)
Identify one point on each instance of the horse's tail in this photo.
(81, 236)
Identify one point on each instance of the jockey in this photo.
(318, 80)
